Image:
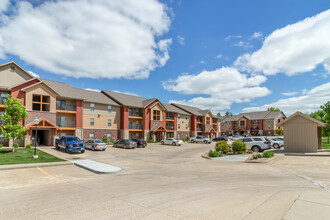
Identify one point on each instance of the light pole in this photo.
(35, 122)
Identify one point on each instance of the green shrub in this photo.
(28, 146)
(215, 154)
(222, 146)
(16, 145)
(105, 138)
(111, 142)
(268, 154)
(150, 141)
(249, 151)
(239, 147)
(156, 141)
(279, 131)
(1, 145)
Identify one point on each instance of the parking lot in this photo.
(168, 182)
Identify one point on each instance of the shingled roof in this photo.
(254, 116)
(67, 91)
(192, 110)
(172, 108)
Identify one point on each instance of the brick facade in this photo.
(99, 133)
(49, 116)
(183, 134)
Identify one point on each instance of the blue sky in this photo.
(191, 52)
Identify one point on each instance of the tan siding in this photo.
(270, 123)
(9, 78)
(300, 135)
(40, 89)
(183, 121)
(101, 116)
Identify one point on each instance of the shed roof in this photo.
(319, 123)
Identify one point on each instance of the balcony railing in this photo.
(66, 124)
(135, 114)
(170, 117)
(169, 127)
(199, 129)
(140, 127)
(255, 128)
(199, 120)
(239, 127)
(66, 107)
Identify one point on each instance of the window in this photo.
(156, 115)
(92, 106)
(179, 116)
(257, 139)
(91, 121)
(109, 108)
(268, 121)
(3, 97)
(40, 103)
(179, 136)
(109, 122)
(137, 135)
(91, 136)
(208, 120)
(268, 126)
(61, 104)
(109, 136)
(178, 126)
(186, 126)
(242, 123)
(186, 118)
(61, 121)
(247, 140)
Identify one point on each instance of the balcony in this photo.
(199, 129)
(66, 124)
(239, 128)
(199, 120)
(66, 107)
(255, 128)
(135, 114)
(169, 116)
(169, 127)
(135, 127)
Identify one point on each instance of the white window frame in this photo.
(109, 122)
(91, 136)
(109, 108)
(91, 122)
(92, 106)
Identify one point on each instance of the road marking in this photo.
(49, 174)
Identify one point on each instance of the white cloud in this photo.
(296, 48)
(289, 93)
(232, 37)
(202, 62)
(308, 102)
(256, 35)
(127, 93)
(4, 5)
(245, 45)
(34, 74)
(80, 38)
(180, 40)
(94, 90)
(218, 89)
(219, 56)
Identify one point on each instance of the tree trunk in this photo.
(13, 145)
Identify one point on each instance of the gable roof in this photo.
(192, 110)
(319, 123)
(38, 83)
(172, 108)
(13, 63)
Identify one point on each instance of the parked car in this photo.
(219, 139)
(140, 143)
(172, 141)
(125, 143)
(276, 142)
(70, 144)
(95, 145)
(200, 139)
(256, 144)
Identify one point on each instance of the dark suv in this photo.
(140, 143)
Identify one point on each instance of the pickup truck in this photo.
(70, 144)
(200, 139)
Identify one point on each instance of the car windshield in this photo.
(98, 141)
(71, 139)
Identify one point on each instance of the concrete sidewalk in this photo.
(32, 165)
(96, 167)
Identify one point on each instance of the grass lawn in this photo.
(325, 144)
(25, 156)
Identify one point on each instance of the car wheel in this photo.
(67, 150)
(174, 144)
(93, 148)
(205, 142)
(162, 142)
(192, 141)
(256, 149)
(276, 146)
(103, 149)
(57, 147)
(83, 151)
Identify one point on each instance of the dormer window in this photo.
(41, 103)
(156, 115)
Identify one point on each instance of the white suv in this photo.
(256, 144)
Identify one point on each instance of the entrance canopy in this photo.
(44, 124)
(158, 128)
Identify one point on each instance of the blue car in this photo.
(70, 144)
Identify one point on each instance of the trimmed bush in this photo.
(268, 154)
(222, 146)
(256, 156)
(239, 147)
(28, 146)
(16, 145)
(215, 154)
(1, 145)
(156, 141)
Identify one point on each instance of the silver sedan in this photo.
(95, 145)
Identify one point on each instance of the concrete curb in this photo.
(263, 161)
(307, 155)
(206, 157)
(96, 167)
(33, 165)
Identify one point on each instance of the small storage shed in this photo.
(302, 133)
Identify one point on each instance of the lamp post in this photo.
(35, 122)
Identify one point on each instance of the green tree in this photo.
(323, 115)
(218, 114)
(14, 113)
(229, 114)
(279, 131)
(273, 109)
(105, 139)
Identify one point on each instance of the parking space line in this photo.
(49, 174)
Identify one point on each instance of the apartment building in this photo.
(262, 123)
(149, 119)
(203, 122)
